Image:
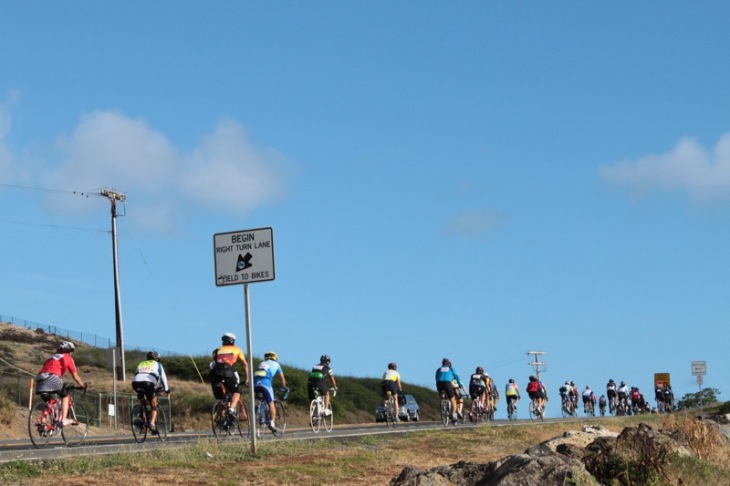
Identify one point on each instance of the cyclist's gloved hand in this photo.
(85, 386)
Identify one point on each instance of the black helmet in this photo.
(445, 362)
(66, 346)
(532, 378)
(324, 359)
(511, 380)
(153, 355)
(392, 366)
(480, 369)
(228, 338)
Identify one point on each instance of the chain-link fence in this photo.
(100, 406)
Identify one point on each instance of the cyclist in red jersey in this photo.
(48, 380)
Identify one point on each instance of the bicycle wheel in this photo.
(390, 412)
(533, 410)
(219, 419)
(40, 425)
(329, 418)
(74, 433)
(261, 418)
(280, 419)
(161, 425)
(445, 412)
(242, 419)
(314, 418)
(138, 423)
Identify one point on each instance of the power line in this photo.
(53, 226)
(46, 189)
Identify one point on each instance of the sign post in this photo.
(699, 369)
(244, 257)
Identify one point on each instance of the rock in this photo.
(518, 470)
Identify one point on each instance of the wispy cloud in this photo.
(472, 224)
(110, 149)
(5, 120)
(688, 167)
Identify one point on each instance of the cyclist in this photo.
(262, 382)
(480, 386)
(149, 373)
(611, 393)
(48, 380)
(494, 394)
(566, 396)
(391, 382)
(668, 397)
(317, 380)
(448, 383)
(602, 404)
(222, 370)
(574, 394)
(537, 390)
(623, 393)
(589, 397)
(512, 392)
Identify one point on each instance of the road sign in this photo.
(699, 368)
(243, 257)
(662, 378)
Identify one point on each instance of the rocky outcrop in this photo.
(593, 455)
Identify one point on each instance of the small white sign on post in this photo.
(243, 257)
(110, 411)
(699, 368)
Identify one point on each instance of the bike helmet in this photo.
(228, 338)
(153, 355)
(532, 378)
(623, 383)
(66, 346)
(271, 355)
(480, 369)
(567, 383)
(392, 366)
(572, 383)
(511, 380)
(324, 359)
(445, 362)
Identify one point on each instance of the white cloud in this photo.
(227, 170)
(688, 168)
(108, 149)
(472, 224)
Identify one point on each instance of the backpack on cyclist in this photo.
(222, 369)
(533, 387)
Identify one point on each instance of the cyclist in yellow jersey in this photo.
(391, 382)
(512, 392)
(222, 370)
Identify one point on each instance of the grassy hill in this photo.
(22, 352)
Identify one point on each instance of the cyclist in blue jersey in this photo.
(448, 382)
(262, 382)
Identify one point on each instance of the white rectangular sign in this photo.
(245, 256)
(699, 368)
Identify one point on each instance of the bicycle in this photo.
(622, 408)
(512, 408)
(589, 409)
(140, 420)
(478, 412)
(389, 409)
(225, 424)
(263, 419)
(318, 412)
(612, 403)
(536, 411)
(602, 408)
(45, 419)
(567, 407)
(446, 410)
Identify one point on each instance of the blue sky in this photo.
(465, 179)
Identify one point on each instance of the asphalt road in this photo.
(22, 449)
